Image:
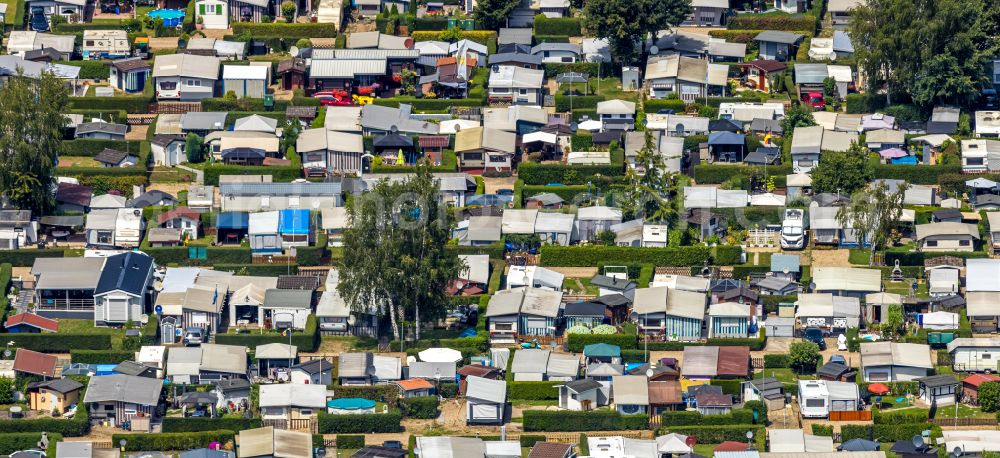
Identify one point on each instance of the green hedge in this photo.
(131, 104)
(655, 105)
(423, 407)
(76, 427)
(773, 21)
(900, 417)
(923, 174)
(542, 174)
(16, 442)
(576, 342)
(286, 30)
(565, 256)
(777, 361)
(89, 147)
(598, 420)
(59, 343)
(738, 36)
(278, 174)
(533, 391)
(888, 433)
(569, 26)
(219, 254)
(89, 69)
(307, 340)
(428, 23)
(354, 441)
(566, 192)
(172, 441)
(720, 173)
(388, 394)
(5, 274)
(917, 258)
(694, 418)
(192, 424)
(360, 423)
(563, 102)
(262, 270)
(822, 430)
(100, 356)
(717, 434)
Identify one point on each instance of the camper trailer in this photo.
(813, 398)
(793, 229)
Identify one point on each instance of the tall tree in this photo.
(873, 214)
(648, 182)
(31, 123)
(395, 262)
(925, 50)
(799, 115)
(492, 14)
(844, 172)
(626, 23)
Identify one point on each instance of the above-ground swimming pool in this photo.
(171, 18)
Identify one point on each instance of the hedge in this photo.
(447, 390)
(858, 103)
(131, 104)
(354, 441)
(576, 342)
(888, 433)
(278, 174)
(917, 258)
(286, 30)
(564, 102)
(179, 255)
(259, 270)
(307, 340)
(529, 440)
(569, 256)
(717, 434)
(569, 26)
(777, 361)
(428, 23)
(118, 116)
(6, 271)
(90, 147)
(423, 407)
(78, 426)
(59, 343)
(597, 420)
(16, 442)
(542, 174)
(533, 391)
(822, 430)
(89, 69)
(900, 417)
(694, 418)
(729, 386)
(173, 441)
(388, 394)
(568, 193)
(583, 141)
(100, 356)
(921, 174)
(360, 423)
(774, 21)
(194, 424)
(755, 344)
(738, 36)
(720, 173)
(655, 105)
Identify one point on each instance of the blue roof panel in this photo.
(294, 221)
(233, 220)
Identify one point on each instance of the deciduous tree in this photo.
(797, 116)
(873, 214)
(803, 355)
(492, 14)
(626, 23)
(844, 172)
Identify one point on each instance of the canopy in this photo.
(884, 299)
(672, 443)
(892, 153)
(440, 355)
(351, 404)
(767, 200)
(878, 388)
(539, 136)
(981, 183)
(590, 124)
(859, 445)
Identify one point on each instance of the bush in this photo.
(576, 342)
(598, 420)
(720, 173)
(902, 416)
(193, 424)
(655, 105)
(278, 174)
(533, 391)
(388, 394)
(448, 390)
(800, 23)
(554, 255)
(822, 430)
(569, 26)
(989, 396)
(350, 441)
(424, 407)
(100, 357)
(285, 30)
(16, 442)
(59, 343)
(360, 423)
(172, 441)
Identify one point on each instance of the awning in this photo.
(62, 221)
(539, 136)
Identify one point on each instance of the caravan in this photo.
(793, 229)
(813, 399)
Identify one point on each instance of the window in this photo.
(931, 243)
(503, 326)
(878, 376)
(109, 407)
(305, 412)
(500, 90)
(573, 396)
(985, 356)
(964, 242)
(104, 237)
(265, 201)
(974, 161)
(89, 43)
(523, 91)
(192, 83)
(815, 402)
(168, 85)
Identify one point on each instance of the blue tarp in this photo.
(602, 350)
(294, 221)
(105, 369)
(351, 404)
(233, 220)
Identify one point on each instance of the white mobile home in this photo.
(105, 44)
(975, 354)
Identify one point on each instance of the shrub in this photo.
(172, 441)
(553, 255)
(694, 418)
(350, 441)
(801, 23)
(388, 394)
(89, 69)
(542, 174)
(193, 424)
(776, 361)
(424, 407)
(59, 343)
(598, 420)
(720, 173)
(902, 416)
(533, 391)
(822, 430)
(360, 423)
(569, 26)
(989, 396)
(16, 442)
(285, 30)
(448, 390)
(100, 357)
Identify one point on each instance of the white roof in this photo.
(814, 305)
(244, 72)
(554, 222)
(767, 200)
(516, 221)
(630, 389)
(982, 275)
(847, 279)
(516, 77)
(729, 309)
(616, 106)
(895, 354)
(263, 222)
(589, 158)
(477, 267)
(798, 179)
(982, 303)
(787, 440)
(486, 389)
(297, 395)
(599, 213)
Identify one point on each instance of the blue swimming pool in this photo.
(171, 18)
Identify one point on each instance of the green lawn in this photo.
(964, 411)
(705, 450)
(69, 326)
(571, 283)
(609, 88)
(858, 257)
(78, 161)
(783, 374)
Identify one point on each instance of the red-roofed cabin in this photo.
(35, 363)
(433, 146)
(182, 218)
(759, 74)
(415, 387)
(30, 323)
(970, 384)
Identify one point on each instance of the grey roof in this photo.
(288, 298)
(347, 68)
(811, 73)
(779, 37)
(485, 228)
(224, 358)
(564, 47)
(518, 36)
(532, 360)
(203, 120)
(356, 365)
(484, 389)
(280, 189)
(780, 262)
(101, 126)
(505, 302)
(124, 388)
(584, 384)
(186, 65)
(382, 118)
(515, 57)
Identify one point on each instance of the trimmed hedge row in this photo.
(307, 340)
(89, 69)
(533, 391)
(562, 256)
(172, 441)
(719, 173)
(89, 147)
(888, 433)
(694, 418)
(129, 104)
(904, 416)
(360, 423)
(569, 26)
(576, 342)
(286, 30)
(566, 192)
(388, 394)
(278, 174)
(16, 442)
(59, 343)
(564, 102)
(917, 258)
(192, 424)
(542, 174)
(423, 407)
(100, 356)
(547, 421)
(78, 426)
(774, 21)
(923, 174)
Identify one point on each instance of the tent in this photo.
(440, 355)
(981, 183)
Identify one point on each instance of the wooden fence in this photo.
(850, 415)
(298, 424)
(963, 422)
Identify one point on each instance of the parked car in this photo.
(38, 21)
(393, 444)
(838, 359)
(194, 336)
(815, 100)
(665, 111)
(815, 335)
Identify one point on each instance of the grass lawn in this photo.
(706, 450)
(77, 161)
(858, 257)
(905, 287)
(571, 283)
(783, 374)
(141, 11)
(609, 88)
(69, 326)
(535, 403)
(964, 411)
(893, 402)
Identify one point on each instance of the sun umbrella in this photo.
(672, 443)
(892, 153)
(981, 183)
(859, 445)
(878, 388)
(440, 355)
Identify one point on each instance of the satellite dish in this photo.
(957, 451)
(649, 372)
(654, 49)
(749, 435)
(294, 51)
(917, 441)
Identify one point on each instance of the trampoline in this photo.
(171, 18)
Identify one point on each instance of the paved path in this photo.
(199, 176)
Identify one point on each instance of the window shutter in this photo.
(201, 9)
